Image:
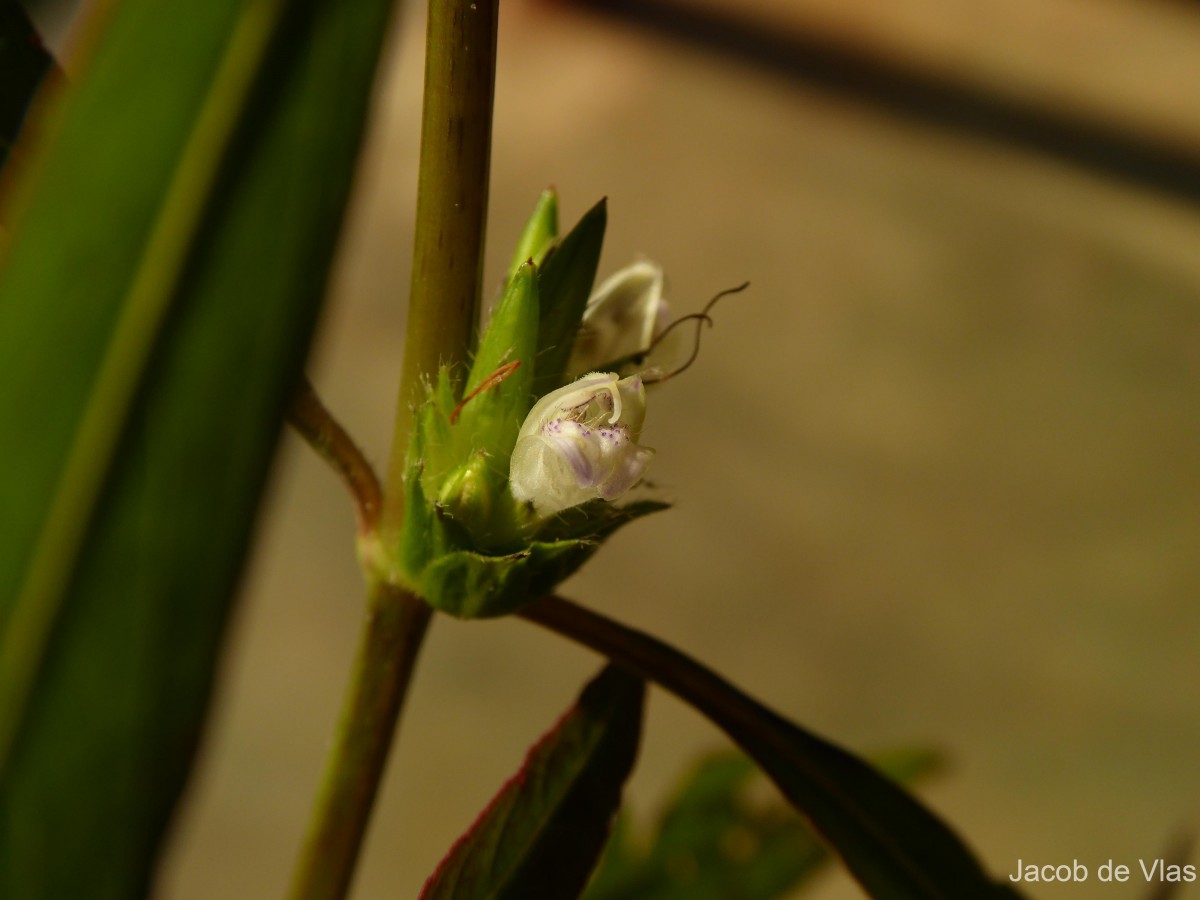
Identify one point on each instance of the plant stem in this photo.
(387, 653)
(452, 190)
(456, 127)
(316, 424)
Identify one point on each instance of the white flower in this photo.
(622, 318)
(580, 443)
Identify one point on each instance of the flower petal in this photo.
(579, 443)
(621, 317)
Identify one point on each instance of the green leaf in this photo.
(565, 281)
(540, 232)
(541, 835)
(895, 847)
(595, 520)
(471, 585)
(717, 840)
(24, 62)
(156, 303)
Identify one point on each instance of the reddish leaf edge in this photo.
(891, 844)
(608, 690)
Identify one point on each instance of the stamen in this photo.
(700, 318)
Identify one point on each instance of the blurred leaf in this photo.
(156, 303)
(541, 835)
(23, 64)
(565, 281)
(895, 847)
(718, 841)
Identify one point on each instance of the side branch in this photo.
(316, 424)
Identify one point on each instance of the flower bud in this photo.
(465, 493)
(580, 443)
(620, 318)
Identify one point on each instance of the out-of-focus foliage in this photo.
(156, 302)
(725, 835)
(541, 835)
(23, 64)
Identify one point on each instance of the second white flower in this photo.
(580, 443)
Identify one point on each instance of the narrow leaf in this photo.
(156, 303)
(565, 281)
(718, 839)
(541, 835)
(894, 846)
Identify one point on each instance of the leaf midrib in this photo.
(143, 311)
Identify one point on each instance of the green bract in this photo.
(539, 234)
(467, 546)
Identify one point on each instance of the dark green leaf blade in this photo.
(895, 847)
(718, 840)
(201, 204)
(541, 835)
(565, 281)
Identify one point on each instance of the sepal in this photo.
(539, 234)
(565, 280)
(471, 585)
(499, 389)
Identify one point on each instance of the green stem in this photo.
(452, 190)
(34, 612)
(456, 128)
(387, 653)
(325, 434)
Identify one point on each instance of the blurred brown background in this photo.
(936, 471)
